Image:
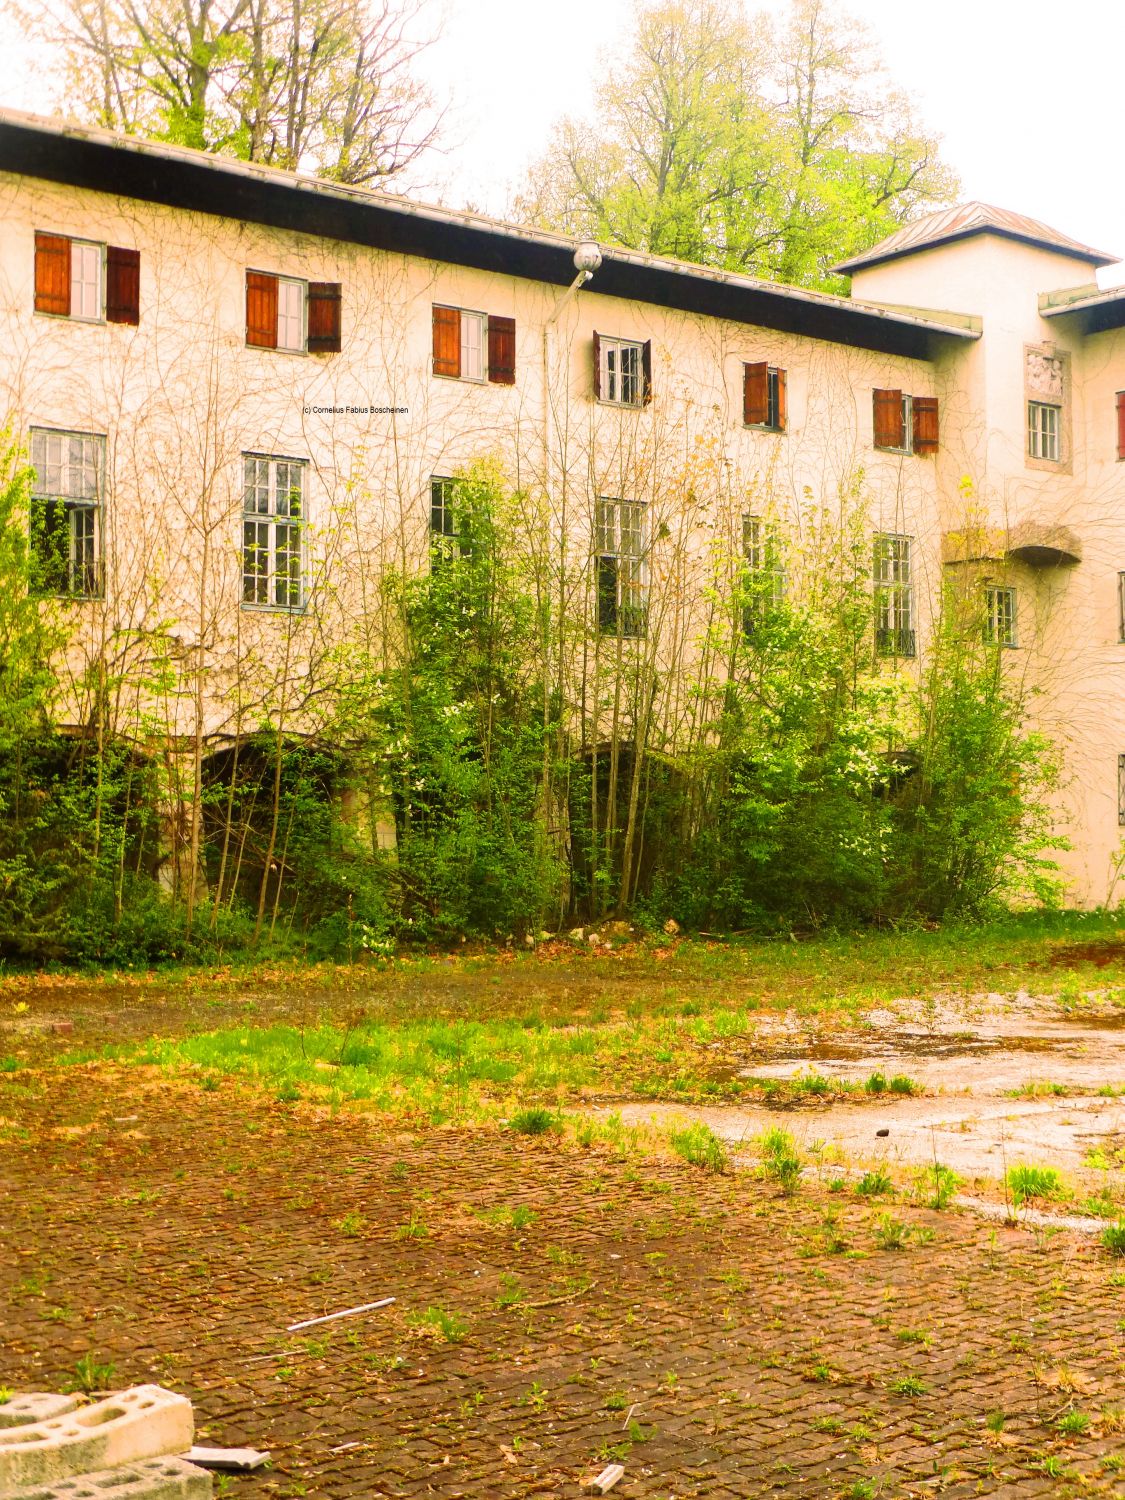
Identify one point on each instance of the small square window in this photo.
(1043, 430)
(621, 372)
(1000, 616)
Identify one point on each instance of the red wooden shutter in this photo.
(447, 341)
(1121, 424)
(646, 371)
(324, 302)
(925, 424)
(755, 394)
(122, 285)
(52, 274)
(502, 351)
(889, 428)
(597, 367)
(782, 401)
(261, 310)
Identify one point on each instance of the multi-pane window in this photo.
(894, 596)
(1121, 606)
(85, 280)
(66, 511)
(448, 537)
(1043, 430)
(621, 545)
(765, 574)
(290, 315)
(273, 506)
(1121, 790)
(1000, 616)
(472, 346)
(621, 372)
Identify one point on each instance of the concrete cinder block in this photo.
(144, 1422)
(150, 1479)
(34, 1406)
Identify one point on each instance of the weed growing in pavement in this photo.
(616, 1401)
(780, 1159)
(936, 1185)
(875, 1184)
(415, 1228)
(89, 1375)
(1029, 1183)
(908, 1385)
(890, 1233)
(901, 1084)
(440, 1323)
(921, 1336)
(352, 1224)
(535, 1121)
(834, 1241)
(1073, 1423)
(699, 1145)
(876, 1084)
(511, 1292)
(862, 1489)
(1113, 1240)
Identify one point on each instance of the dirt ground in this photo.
(721, 1339)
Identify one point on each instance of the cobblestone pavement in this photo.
(556, 1309)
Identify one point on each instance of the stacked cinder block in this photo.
(122, 1448)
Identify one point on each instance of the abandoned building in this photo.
(242, 391)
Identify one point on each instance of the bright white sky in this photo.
(1027, 94)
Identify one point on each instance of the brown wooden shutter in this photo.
(1121, 424)
(502, 351)
(261, 310)
(597, 367)
(889, 429)
(52, 274)
(122, 285)
(324, 303)
(755, 394)
(782, 401)
(646, 371)
(925, 424)
(447, 341)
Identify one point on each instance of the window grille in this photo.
(66, 512)
(273, 513)
(894, 596)
(621, 544)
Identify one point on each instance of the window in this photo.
(86, 281)
(300, 317)
(622, 371)
(1121, 606)
(273, 507)
(621, 544)
(66, 512)
(1121, 424)
(1000, 616)
(448, 537)
(1043, 430)
(1121, 790)
(764, 397)
(765, 575)
(894, 596)
(462, 340)
(905, 424)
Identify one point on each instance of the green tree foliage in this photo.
(765, 147)
(324, 85)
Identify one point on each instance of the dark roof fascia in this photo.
(180, 180)
(863, 263)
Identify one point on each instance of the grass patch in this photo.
(699, 1145)
(1030, 1184)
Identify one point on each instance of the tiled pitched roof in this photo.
(965, 219)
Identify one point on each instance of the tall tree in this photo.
(324, 85)
(766, 149)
